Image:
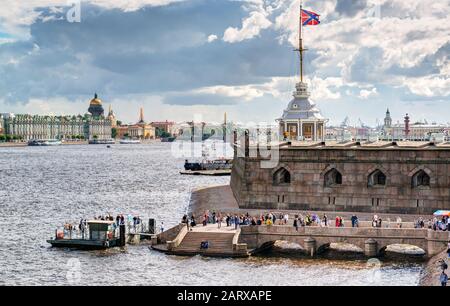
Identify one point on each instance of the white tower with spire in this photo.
(302, 120)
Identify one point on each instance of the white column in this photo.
(301, 129)
(315, 131)
(298, 130)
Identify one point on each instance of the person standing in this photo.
(354, 218)
(325, 220)
(219, 220)
(443, 279)
(296, 223)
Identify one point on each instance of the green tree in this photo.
(2, 137)
(95, 136)
(113, 132)
(119, 122)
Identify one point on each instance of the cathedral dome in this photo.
(96, 101)
(95, 107)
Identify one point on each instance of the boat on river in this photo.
(130, 141)
(44, 142)
(100, 235)
(218, 164)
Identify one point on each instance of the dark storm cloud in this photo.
(152, 50)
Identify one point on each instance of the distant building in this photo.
(1, 125)
(112, 117)
(418, 131)
(140, 130)
(165, 126)
(90, 126)
(388, 119)
(95, 107)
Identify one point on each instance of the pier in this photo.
(313, 240)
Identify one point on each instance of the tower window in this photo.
(421, 178)
(282, 177)
(377, 178)
(332, 178)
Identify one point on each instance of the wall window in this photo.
(282, 177)
(333, 178)
(421, 178)
(377, 178)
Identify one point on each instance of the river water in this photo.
(43, 187)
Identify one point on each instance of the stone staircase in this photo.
(220, 245)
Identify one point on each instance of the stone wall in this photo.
(254, 188)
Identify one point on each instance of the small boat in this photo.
(130, 141)
(44, 142)
(101, 235)
(102, 141)
(218, 164)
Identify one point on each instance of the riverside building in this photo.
(92, 125)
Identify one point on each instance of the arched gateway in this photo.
(372, 240)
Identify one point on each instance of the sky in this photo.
(186, 59)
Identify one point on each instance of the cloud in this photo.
(251, 27)
(365, 54)
(366, 94)
(212, 38)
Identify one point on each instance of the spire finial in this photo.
(95, 96)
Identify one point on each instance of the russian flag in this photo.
(310, 18)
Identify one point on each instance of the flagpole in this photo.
(300, 45)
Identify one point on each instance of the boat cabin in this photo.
(101, 230)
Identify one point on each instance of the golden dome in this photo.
(96, 101)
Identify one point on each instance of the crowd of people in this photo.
(80, 229)
(436, 224)
(236, 220)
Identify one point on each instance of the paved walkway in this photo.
(221, 199)
(212, 228)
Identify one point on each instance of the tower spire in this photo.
(141, 115)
